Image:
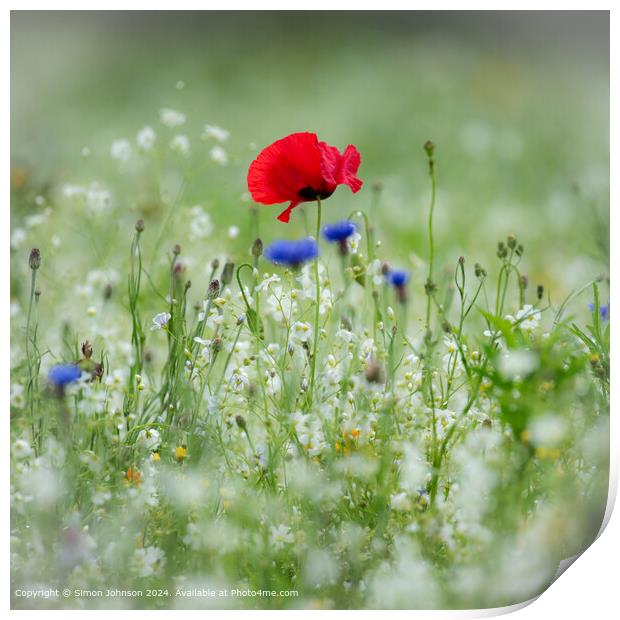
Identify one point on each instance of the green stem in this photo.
(431, 242)
(31, 371)
(318, 303)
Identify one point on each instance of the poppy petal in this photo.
(285, 216)
(330, 163)
(349, 166)
(282, 169)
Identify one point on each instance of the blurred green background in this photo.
(516, 102)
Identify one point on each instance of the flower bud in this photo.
(176, 250)
(215, 263)
(512, 242)
(139, 225)
(257, 248)
(214, 289)
(540, 289)
(87, 349)
(374, 372)
(429, 147)
(34, 261)
(240, 420)
(227, 273)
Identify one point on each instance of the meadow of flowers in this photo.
(213, 409)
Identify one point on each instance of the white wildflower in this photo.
(149, 561)
(171, 118)
(547, 430)
(146, 138)
(180, 144)
(18, 236)
(121, 150)
(527, 318)
(160, 321)
(233, 232)
(301, 331)
(281, 536)
(22, 449)
(353, 242)
(215, 132)
(148, 439)
(200, 226)
(517, 363)
(17, 395)
(400, 502)
(218, 155)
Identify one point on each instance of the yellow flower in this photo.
(180, 453)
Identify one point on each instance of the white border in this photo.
(588, 588)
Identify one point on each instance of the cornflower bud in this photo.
(214, 289)
(34, 261)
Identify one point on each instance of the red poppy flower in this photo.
(298, 169)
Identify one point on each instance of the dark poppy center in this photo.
(309, 193)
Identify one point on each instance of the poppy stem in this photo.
(318, 302)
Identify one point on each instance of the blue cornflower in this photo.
(292, 253)
(604, 310)
(339, 231)
(398, 277)
(63, 374)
